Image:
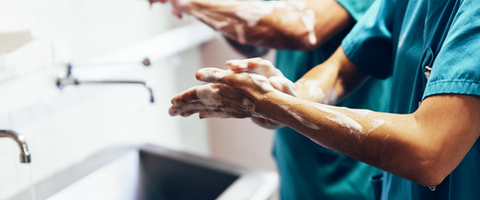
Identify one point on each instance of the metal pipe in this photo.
(68, 79)
(25, 156)
(146, 84)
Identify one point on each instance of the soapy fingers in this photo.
(211, 100)
(254, 65)
(210, 94)
(264, 68)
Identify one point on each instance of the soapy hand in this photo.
(212, 100)
(274, 75)
(265, 68)
(229, 94)
(309, 89)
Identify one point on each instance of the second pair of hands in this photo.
(232, 93)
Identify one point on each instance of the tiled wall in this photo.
(62, 127)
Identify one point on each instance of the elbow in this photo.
(429, 178)
(430, 171)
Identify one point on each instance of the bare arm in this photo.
(302, 25)
(424, 146)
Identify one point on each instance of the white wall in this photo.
(64, 127)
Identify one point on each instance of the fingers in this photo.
(265, 68)
(283, 84)
(238, 65)
(210, 111)
(211, 75)
(212, 100)
(222, 114)
(187, 109)
(254, 65)
(186, 96)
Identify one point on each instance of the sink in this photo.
(152, 172)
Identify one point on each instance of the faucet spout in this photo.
(25, 156)
(68, 79)
(143, 83)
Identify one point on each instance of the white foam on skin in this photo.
(283, 84)
(209, 96)
(375, 124)
(212, 75)
(209, 103)
(308, 19)
(260, 81)
(350, 123)
(362, 112)
(315, 93)
(342, 119)
(265, 68)
(253, 12)
(302, 120)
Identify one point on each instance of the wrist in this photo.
(265, 103)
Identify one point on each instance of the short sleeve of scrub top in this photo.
(456, 69)
(376, 46)
(356, 8)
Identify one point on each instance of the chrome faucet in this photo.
(68, 79)
(25, 156)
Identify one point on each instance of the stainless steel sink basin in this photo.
(152, 172)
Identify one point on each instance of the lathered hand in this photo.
(230, 93)
(274, 75)
(264, 68)
(212, 100)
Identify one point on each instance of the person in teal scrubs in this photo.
(428, 143)
(402, 39)
(309, 171)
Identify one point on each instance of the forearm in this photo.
(424, 146)
(293, 24)
(330, 81)
(419, 147)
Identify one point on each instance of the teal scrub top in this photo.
(307, 170)
(396, 38)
